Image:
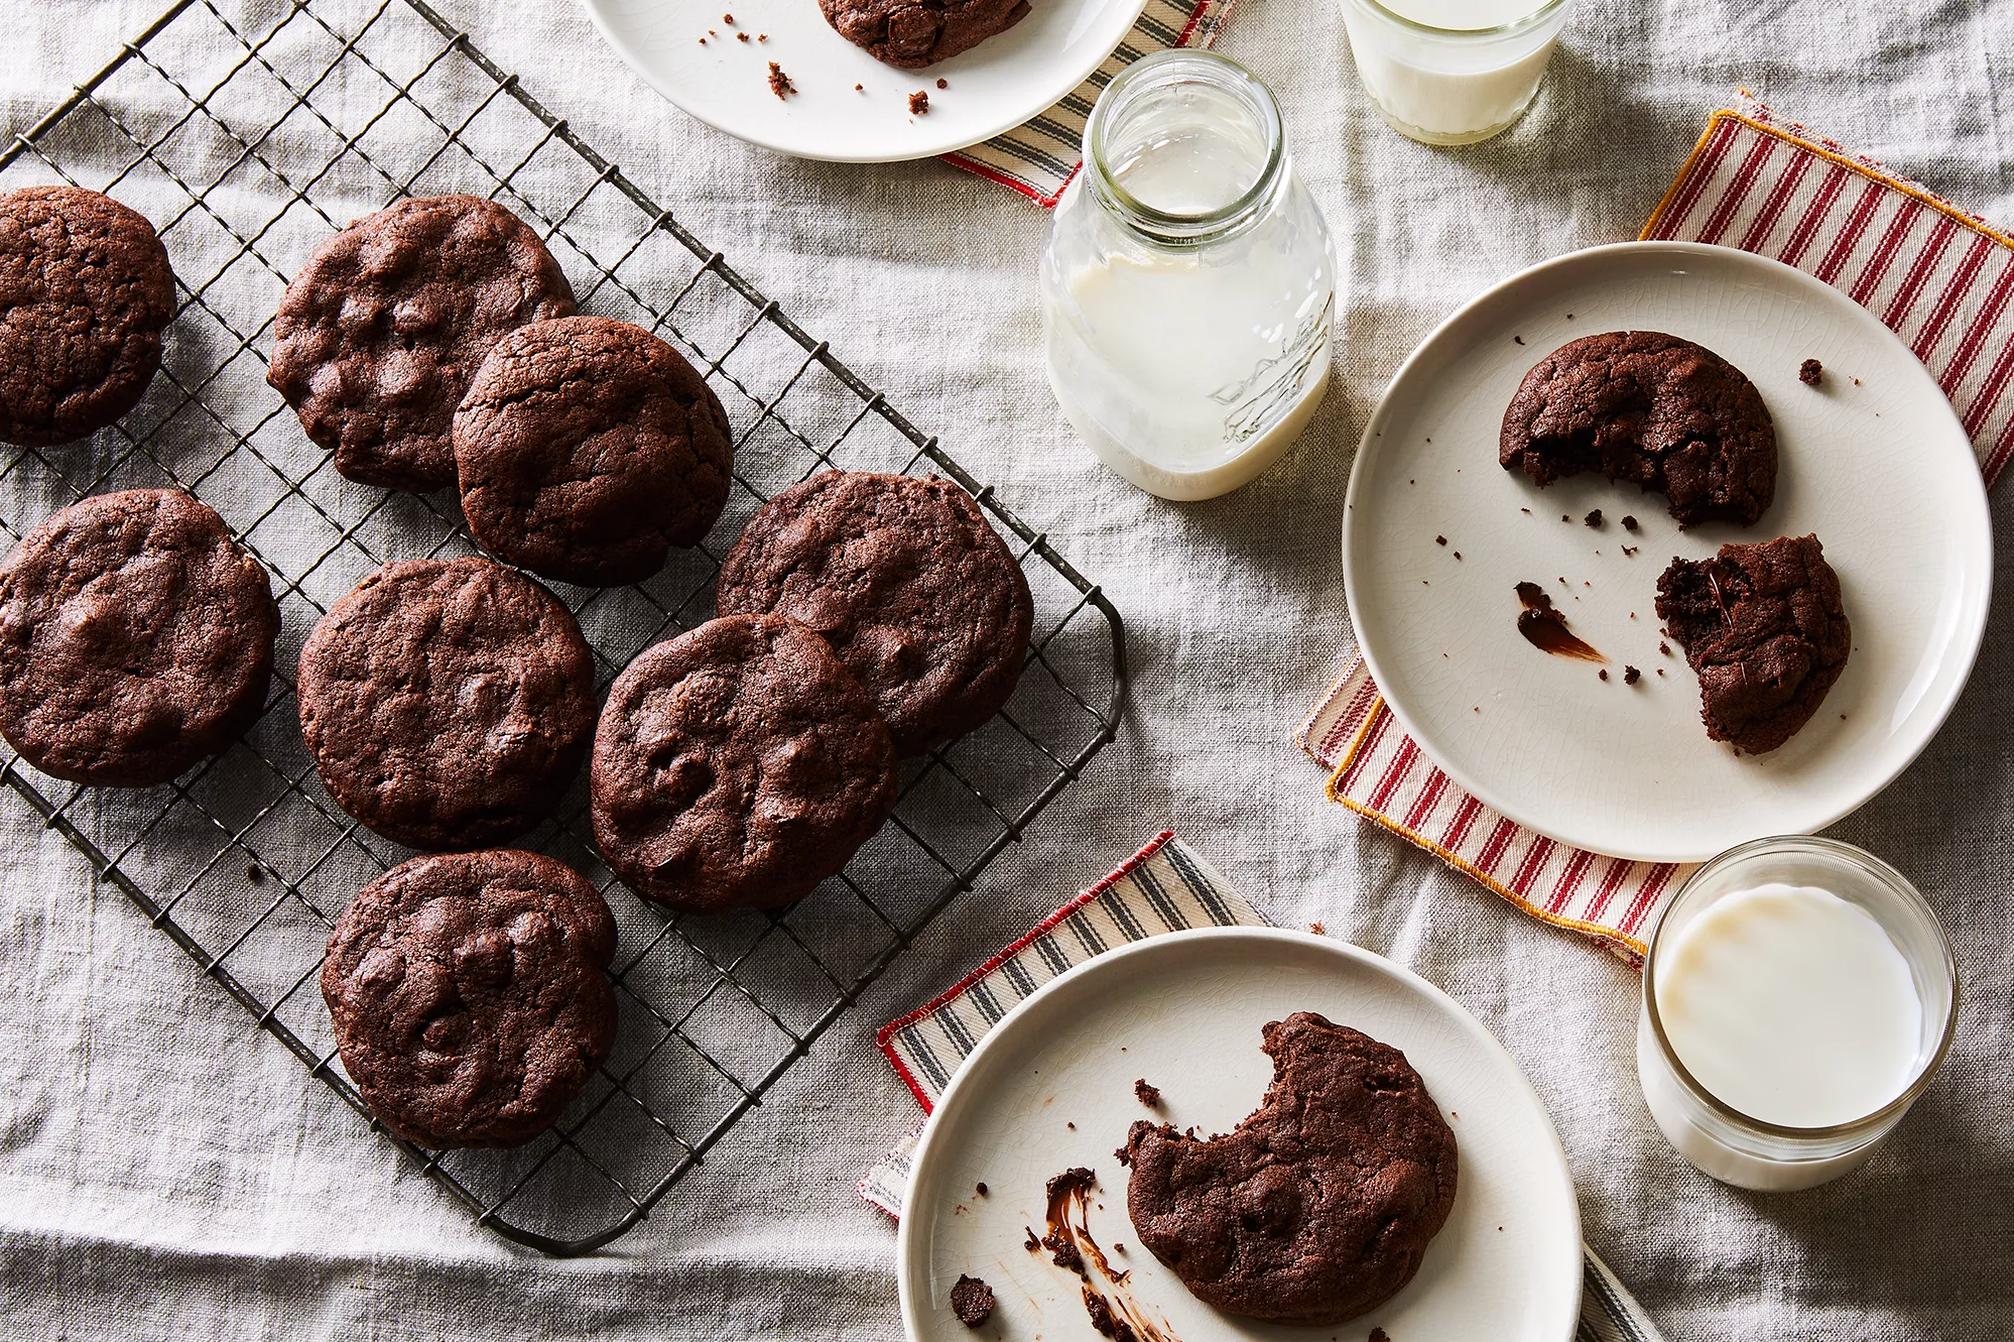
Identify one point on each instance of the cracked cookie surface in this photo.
(85, 293)
(919, 596)
(136, 638)
(1321, 1203)
(586, 448)
(1764, 628)
(379, 334)
(1650, 409)
(470, 995)
(737, 766)
(447, 703)
(910, 35)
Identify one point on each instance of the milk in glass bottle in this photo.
(1189, 282)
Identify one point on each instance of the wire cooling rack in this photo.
(248, 132)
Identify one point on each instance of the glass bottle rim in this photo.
(1513, 27)
(1896, 885)
(1175, 226)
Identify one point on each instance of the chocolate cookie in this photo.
(470, 995)
(906, 580)
(587, 448)
(738, 766)
(447, 703)
(1321, 1203)
(914, 33)
(1763, 627)
(85, 292)
(136, 638)
(379, 334)
(1650, 408)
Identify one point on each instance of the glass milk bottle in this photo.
(1188, 285)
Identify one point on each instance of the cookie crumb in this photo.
(1629, 522)
(779, 82)
(919, 103)
(1317, 928)
(1458, 554)
(762, 37)
(1070, 1125)
(1664, 648)
(1440, 540)
(1380, 1335)
(1518, 339)
(980, 1188)
(1525, 511)
(1630, 551)
(1603, 673)
(1147, 1093)
(1031, 1244)
(255, 873)
(971, 1301)
(943, 83)
(741, 37)
(1810, 372)
(1630, 675)
(727, 19)
(857, 88)
(1564, 518)
(1593, 518)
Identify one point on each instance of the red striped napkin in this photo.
(1939, 277)
(1039, 157)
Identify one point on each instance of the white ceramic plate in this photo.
(1184, 1011)
(1879, 468)
(993, 87)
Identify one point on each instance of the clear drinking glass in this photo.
(1737, 1148)
(1188, 283)
(1452, 85)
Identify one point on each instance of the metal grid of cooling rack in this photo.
(247, 131)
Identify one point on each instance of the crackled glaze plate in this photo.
(1051, 1086)
(1872, 460)
(993, 87)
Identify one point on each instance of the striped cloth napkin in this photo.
(1039, 157)
(1164, 887)
(1940, 278)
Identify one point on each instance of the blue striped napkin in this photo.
(1164, 887)
(1040, 156)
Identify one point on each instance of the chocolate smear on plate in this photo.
(1546, 629)
(1108, 1300)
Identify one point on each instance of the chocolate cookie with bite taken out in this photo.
(1764, 628)
(1321, 1203)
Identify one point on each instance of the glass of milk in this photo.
(1452, 71)
(1798, 996)
(1188, 284)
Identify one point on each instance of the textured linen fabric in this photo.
(165, 1170)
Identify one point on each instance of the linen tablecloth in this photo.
(166, 1171)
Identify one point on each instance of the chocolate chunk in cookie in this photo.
(906, 580)
(470, 995)
(1764, 628)
(587, 448)
(447, 703)
(136, 638)
(380, 333)
(1321, 1203)
(85, 292)
(1652, 409)
(914, 33)
(737, 766)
